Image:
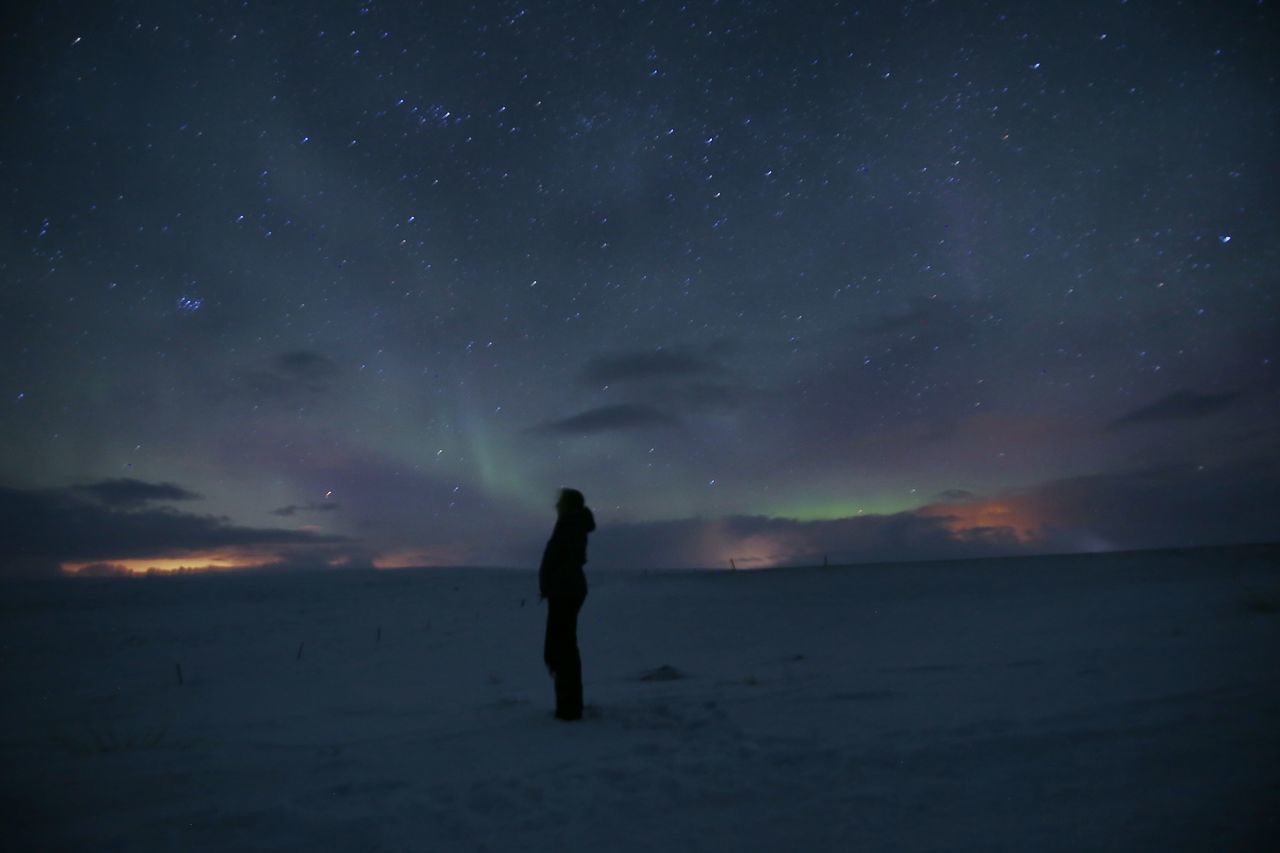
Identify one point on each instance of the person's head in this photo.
(570, 500)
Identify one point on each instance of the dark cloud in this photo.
(1178, 406)
(951, 495)
(659, 387)
(47, 528)
(128, 493)
(1172, 505)
(646, 365)
(625, 416)
(306, 365)
(676, 543)
(315, 506)
(765, 540)
(289, 373)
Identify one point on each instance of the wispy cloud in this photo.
(288, 373)
(314, 506)
(656, 364)
(130, 493)
(1178, 406)
(622, 417)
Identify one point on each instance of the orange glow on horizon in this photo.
(970, 519)
(412, 558)
(213, 561)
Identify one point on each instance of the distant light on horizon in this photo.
(413, 558)
(206, 562)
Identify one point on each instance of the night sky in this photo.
(343, 283)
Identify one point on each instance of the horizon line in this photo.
(269, 568)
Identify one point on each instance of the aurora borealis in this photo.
(346, 283)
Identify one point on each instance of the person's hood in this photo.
(580, 518)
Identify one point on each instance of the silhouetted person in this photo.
(564, 585)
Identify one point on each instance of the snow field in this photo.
(1113, 702)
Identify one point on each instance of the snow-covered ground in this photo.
(1122, 702)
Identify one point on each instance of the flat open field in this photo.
(1114, 702)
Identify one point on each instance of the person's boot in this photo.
(568, 700)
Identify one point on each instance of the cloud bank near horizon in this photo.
(113, 522)
(1167, 506)
(1224, 504)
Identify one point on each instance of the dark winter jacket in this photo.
(566, 552)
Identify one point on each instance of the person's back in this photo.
(566, 552)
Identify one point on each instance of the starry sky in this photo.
(352, 284)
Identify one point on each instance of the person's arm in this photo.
(544, 572)
(548, 566)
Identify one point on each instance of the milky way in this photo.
(345, 283)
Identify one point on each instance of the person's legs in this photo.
(550, 641)
(568, 663)
(561, 641)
